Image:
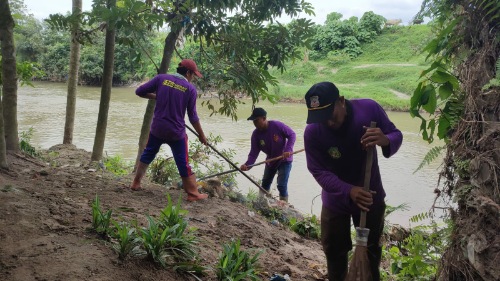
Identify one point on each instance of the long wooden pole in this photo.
(368, 175)
(253, 165)
(231, 163)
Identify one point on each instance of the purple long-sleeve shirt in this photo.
(273, 141)
(174, 95)
(336, 158)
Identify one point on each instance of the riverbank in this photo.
(45, 211)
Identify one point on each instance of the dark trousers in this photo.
(283, 171)
(336, 240)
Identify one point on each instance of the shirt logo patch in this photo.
(314, 101)
(334, 152)
(276, 138)
(262, 143)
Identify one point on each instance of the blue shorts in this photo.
(179, 150)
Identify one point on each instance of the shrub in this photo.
(309, 227)
(128, 241)
(236, 264)
(25, 145)
(116, 165)
(100, 220)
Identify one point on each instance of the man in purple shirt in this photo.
(335, 140)
(275, 139)
(174, 95)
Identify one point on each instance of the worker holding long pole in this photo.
(337, 139)
(275, 139)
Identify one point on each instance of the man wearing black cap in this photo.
(174, 95)
(275, 139)
(335, 140)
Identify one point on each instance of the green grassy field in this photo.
(387, 71)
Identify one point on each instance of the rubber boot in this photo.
(264, 194)
(284, 198)
(139, 174)
(191, 187)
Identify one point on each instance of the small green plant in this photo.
(431, 155)
(172, 214)
(236, 264)
(154, 241)
(252, 195)
(128, 241)
(180, 243)
(419, 263)
(25, 145)
(274, 214)
(116, 165)
(418, 256)
(100, 220)
(309, 227)
(171, 245)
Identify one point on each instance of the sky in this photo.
(390, 9)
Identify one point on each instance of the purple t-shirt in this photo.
(273, 141)
(336, 159)
(174, 95)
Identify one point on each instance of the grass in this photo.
(393, 62)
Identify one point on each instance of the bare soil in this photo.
(45, 219)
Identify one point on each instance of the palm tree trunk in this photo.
(9, 77)
(74, 64)
(107, 82)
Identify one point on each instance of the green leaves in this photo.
(346, 35)
(417, 257)
(309, 227)
(435, 94)
(100, 220)
(166, 241)
(25, 143)
(128, 241)
(235, 264)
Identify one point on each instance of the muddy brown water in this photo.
(43, 108)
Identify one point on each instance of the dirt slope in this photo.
(45, 217)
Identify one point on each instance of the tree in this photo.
(339, 36)
(238, 47)
(107, 82)
(461, 93)
(74, 63)
(9, 78)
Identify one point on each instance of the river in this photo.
(43, 108)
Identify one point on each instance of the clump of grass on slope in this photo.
(403, 44)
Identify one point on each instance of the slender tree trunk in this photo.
(9, 77)
(168, 52)
(74, 64)
(107, 82)
(3, 151)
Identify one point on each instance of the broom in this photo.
(359, 268)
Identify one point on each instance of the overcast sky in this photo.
(390, 9)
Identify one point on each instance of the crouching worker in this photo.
(275, 139)
(174, 95)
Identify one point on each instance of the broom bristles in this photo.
(359, 268)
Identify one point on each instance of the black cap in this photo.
(257, 112)
(320, 100)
